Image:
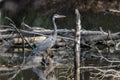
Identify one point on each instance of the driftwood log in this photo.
(35, 36)
(87, 35)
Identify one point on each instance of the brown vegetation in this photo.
(63, 6)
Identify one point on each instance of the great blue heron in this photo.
(50, 41)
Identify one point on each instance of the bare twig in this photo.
(20, 34)
(23, 52)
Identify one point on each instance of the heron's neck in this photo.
(55, 26)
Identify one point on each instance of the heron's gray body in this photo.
(50, 41)
(45, 44)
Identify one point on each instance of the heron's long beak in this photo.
(62, 16)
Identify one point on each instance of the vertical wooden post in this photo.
(77, 46)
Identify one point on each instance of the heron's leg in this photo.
(48, 51)
(45, 56)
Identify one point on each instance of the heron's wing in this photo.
(44, 45)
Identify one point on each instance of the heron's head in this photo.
(58, 16)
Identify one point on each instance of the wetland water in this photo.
(89, 57)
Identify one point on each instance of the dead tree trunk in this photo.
(77, 47)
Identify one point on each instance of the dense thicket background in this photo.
(39, 12)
